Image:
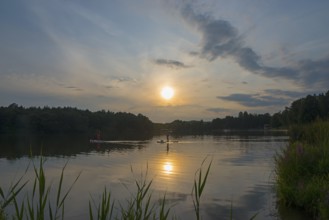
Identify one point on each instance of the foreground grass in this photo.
(303, 170)
(38, 204)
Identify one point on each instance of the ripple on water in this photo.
(241, 173)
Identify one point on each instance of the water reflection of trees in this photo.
(118, 147)
(14, 147)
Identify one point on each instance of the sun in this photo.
(167, 92)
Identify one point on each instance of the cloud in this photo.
(219, 39)
(170, 63)
(122, 79)
(109, 87)
(73, 88)
(217, 110)
(255, 100)
(314, 72)
(285, 93)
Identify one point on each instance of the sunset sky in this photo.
(220, 57)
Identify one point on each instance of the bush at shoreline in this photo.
(303, 170)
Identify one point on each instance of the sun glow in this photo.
(168, 167)
(167, 92)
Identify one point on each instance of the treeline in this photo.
(301, 111)
(304, 110)
(244, 121)
(18, 120)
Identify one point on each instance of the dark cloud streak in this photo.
(218, 110)
(255, 100)
(219, 39)
(284, 93)
(171, 63)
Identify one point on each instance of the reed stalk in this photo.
(104, 209)
(198, 187)
(36, 205)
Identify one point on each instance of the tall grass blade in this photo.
(19, 211)
(13, 191)
(1, 193)
(34, 187)
(198, 187)
(164, 214)
(50, 213)
(60, 185)
(13, 194)
(147, 189)
(205, 178)
(90, 212)
(30, 210)
(147, 212)
(254, 216)
(69, 190)
(105, 207)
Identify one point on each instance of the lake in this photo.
(241, 177)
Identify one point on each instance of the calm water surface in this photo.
(242, 173)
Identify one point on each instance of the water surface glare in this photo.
(242, 174)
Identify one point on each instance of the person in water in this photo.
(98, 135)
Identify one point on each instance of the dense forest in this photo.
(16, 119)
(301, 111)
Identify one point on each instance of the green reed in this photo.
(302, 170)
(37, 205)
(140, 205)
(198, 187)
(38, 201)
(10, 197)
(104, 208)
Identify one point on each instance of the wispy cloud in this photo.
(285, 93)
(220, 39)
(73, 88)
(171, 63)
(255, 100)
(217, 110)
(123, 79)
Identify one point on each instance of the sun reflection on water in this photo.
(168, 167)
